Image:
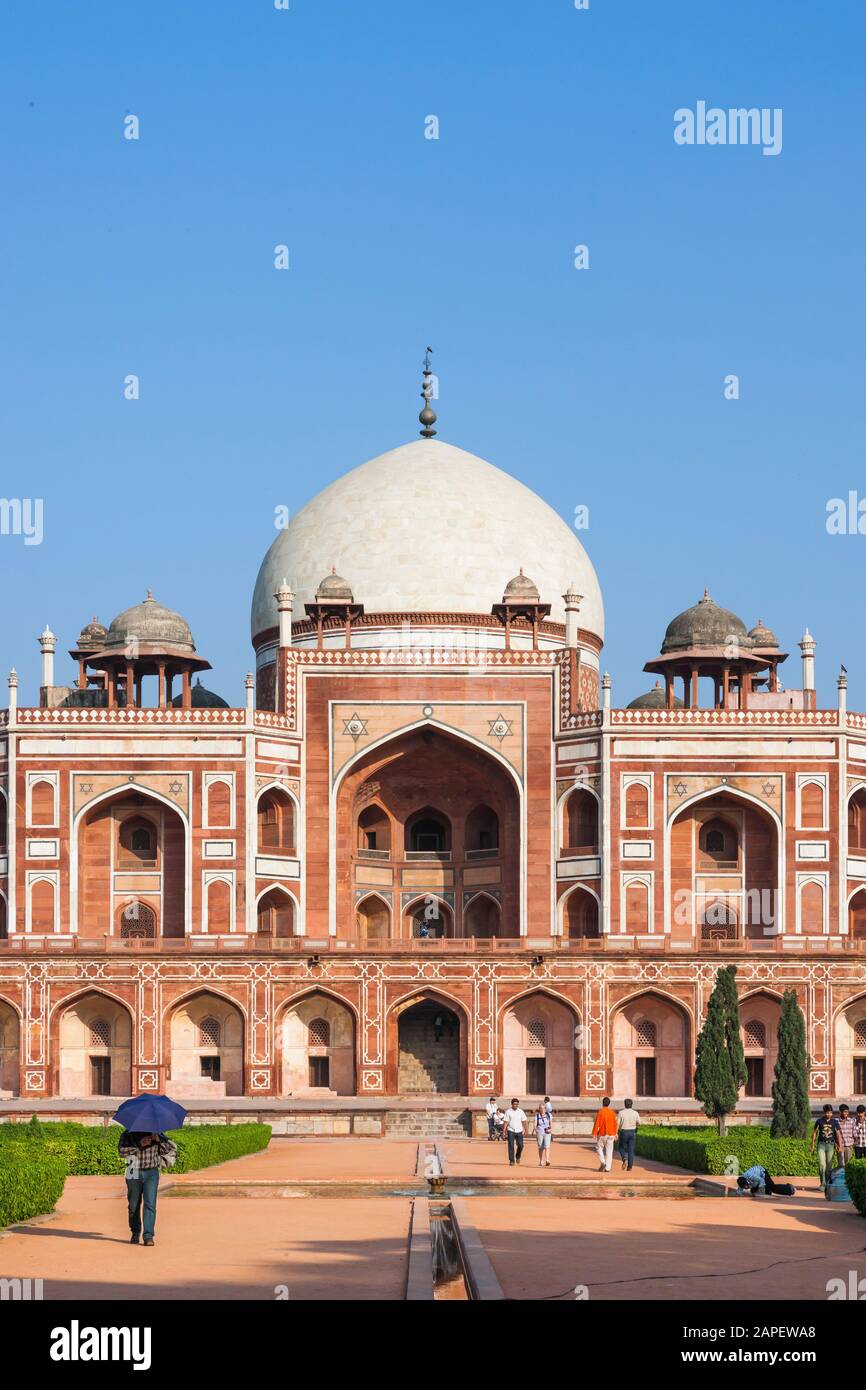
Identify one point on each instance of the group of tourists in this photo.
(837, 1139)
(510, 1125)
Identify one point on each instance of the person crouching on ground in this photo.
(515, 1119)
(604, 1133)
(756, 1181)
(543, 1134)
(144, 1157)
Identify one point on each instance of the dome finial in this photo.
(706, 592)
(428, 414)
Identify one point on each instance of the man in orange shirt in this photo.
(604, 1134)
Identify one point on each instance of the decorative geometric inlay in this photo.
(85, 787)
(768, 789)
(500, 727)
(595, 1081)
(820, 1081)
(483, 1080)
(355, 726)
(427, 711)
(680, 788)
(260, 1080)
(35, 1080)
(148, 1080)
(175, 787)
(371, 1080)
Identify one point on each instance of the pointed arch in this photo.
(117, 793)
(663, 1066)
(427, 1032)
(446, 924)
(205, 1068)
(373, 917)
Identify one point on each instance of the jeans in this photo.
(491, 1127)
(138, 1190)
(604, 1149)
(515, 1141)
(826, 1160)
(627, 1140)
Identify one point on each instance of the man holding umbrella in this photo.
(146, 1152)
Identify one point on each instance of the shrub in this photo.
(31, 1182)
(855, 1177)
(705, 1151)
(90, 1149)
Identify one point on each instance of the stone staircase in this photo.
(427, 1124)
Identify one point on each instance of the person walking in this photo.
(490, 1111)
(543, 1134)
(845, 1131)
(515, 1119)
(627, 1120)
(860, 1132)
(825, 1138)
(604, 1134)
(144, 1156)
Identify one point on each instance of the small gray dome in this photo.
(202, 699)
(92, 635)
(521, 589)
(333, 589)
(762, 636)
(705, 625)
(654, 699)
(151, 623)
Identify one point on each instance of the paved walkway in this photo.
(356, 1247)
(213, 1248)
(689, 1250)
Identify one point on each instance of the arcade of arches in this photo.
(455, 851)
(650, 1045)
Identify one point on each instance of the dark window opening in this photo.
(755, 1079)
(100, 1076)
(536, 1076)
(320, 1071)
(210, 1068)
(646, 1076)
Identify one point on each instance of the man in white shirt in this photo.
(490, 1112)
(627, 1122)
(515, 1119)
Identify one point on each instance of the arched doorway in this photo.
(650, 1048)
(9, 1050)
(275, 913)
(95, 1034)
(373, 917)
(428, 917)
(482, 917)
(857, 916)
(206, 1035)
(580, 915)
(724, 856)
(850, 1037)
(444, 814)
(318, 1047)
(539, 1048)
(128, 835)
(429, 1052)
(580, 824)
(759, 1031)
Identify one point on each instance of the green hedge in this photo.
(90, 1149)
(31, 1181)
(855, 1177)
(702, 1151)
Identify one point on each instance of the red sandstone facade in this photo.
(412, 867)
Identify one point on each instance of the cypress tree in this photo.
(791, 1110)
(720, 1065)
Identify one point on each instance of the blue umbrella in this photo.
(150, 1114)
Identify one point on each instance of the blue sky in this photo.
(601, 388)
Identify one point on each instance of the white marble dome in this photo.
(427, 528)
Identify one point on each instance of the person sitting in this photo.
(499, 1123)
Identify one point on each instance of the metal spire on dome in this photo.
(428, 414)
